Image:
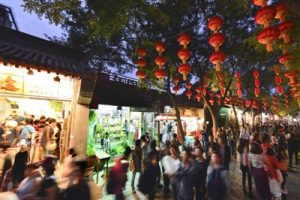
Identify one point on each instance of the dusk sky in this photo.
(30, 23)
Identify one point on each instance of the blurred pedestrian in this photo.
(217, 178)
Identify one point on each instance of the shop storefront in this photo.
(112, 128)
(33, 94)
(41, 78)
(192, 120)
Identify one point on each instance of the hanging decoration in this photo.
(160, 61)
(184, 54)
(265, 16)
(189, 93)
(285, 29)
(281, 11)
(238, 84)
(284, 59)
(141, 63)
(176, 87)
(261, 3)
(216, 40)
(198, 91)
(256, 82)
(267, 36)
(279, 89)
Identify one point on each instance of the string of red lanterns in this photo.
(184, 54)
(238, 84)
(141, 63)
(216, 40)
(159, 73)
(256, 82)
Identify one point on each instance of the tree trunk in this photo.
(178, 119)
(213, 116)
(236, 118)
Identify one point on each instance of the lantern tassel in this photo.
(218, 67)
(269, 47)
(217, 48)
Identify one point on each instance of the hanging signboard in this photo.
(11, 84)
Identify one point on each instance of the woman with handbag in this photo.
(136, 162)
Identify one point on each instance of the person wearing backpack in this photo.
(217, 181)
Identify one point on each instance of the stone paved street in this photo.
(236, 191)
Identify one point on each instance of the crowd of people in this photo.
(201, 171)
(40, 135)
(182, 172)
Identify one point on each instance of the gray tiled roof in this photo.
(23, 49)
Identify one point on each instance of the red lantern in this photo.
(285, 28)
(261, 3)
(248, 103)
(160, 47)
(184, 39)
(238, 75)
(257, 91)
(279, 90)
(140, 74)
(276, 69)
(176, 89)
(223, 92)
(141, 52)
(277, 80)
(189, 94)
(257, 83)
(268, 36)
(284, 59)
(175, 80)
(222, 84)
(141, 62)
(217, 58)
(198, 97)
(239, 93)
(211, 101)
(204, 91)
(255, 73)
(291, 74)
(184, 55)
(160, 74)
(188, 86)
(160, 61)
(281, 11)
(238, 84)
(265, 15)
(216, 40)
(184, 69)
(215, 23)
(198, 89)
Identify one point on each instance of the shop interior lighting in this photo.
(56, 78)
(30, 72)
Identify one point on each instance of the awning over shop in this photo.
(25, 50)
(121, 91)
